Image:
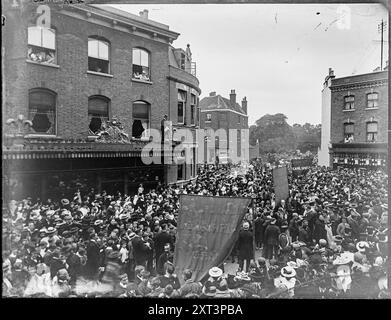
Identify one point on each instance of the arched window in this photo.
(371, 131)
(349, 102)
(141, 69)
(98, 112)
(41, 44)
(98, 55)
(372, 100)
(140, 127)
(42, 110)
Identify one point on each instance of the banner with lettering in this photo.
(301, 166)
(207, 229)
(280, 182)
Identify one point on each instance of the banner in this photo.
(207, 229)
(300, 166)
(280, 182)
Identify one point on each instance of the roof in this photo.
(218, 102)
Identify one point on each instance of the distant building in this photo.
(354, 120)
(218, 112)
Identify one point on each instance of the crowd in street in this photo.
(327, 240)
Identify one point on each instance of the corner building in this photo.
(93, 64)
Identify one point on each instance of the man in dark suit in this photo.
(245, 247)
(272, 233)
(93, 258)
(159, 240)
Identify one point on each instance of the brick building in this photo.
(355, 120)
(217, 112)
(91, 65)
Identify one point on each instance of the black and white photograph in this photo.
(195, 150)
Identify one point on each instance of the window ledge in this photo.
(142, 81)
(100, 74)
(347, 110)
(52, 65)
(375, 108)
(44, 136)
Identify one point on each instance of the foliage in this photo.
(275, 135)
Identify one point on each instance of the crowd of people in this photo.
(327, 240)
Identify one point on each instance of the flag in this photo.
(207, 229)
(280, 182)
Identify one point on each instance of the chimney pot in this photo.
(145, 13)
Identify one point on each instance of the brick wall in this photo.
(74, 85)
(360, 116)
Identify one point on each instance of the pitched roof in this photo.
(218, 102)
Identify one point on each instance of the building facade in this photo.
(355, 120)
(217, 112)
(93, 68)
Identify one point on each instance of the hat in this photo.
(246, 225)
(361, 245)
(51, 230)
(378, 261)
(344, 258)
(288, 272)
(323, 242)
(273, 221)
(98, 222)
(338, 238)
(215, 272)
(243, 276)
(123, 216)
(131, 235)
(64, 202)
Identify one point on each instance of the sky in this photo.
(277, 55)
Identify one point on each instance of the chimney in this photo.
(232, 97)
(212, 94)
(244, 105)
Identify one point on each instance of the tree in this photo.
(274, 134)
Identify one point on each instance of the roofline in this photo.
(233, 111)
(359, 75)
(97, 10)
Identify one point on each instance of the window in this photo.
(181, 170)
(42, 111)
(371, 131)
(41, 44)
(141, 68)
(98, 112)
(349, 103)
(372, 100)
(98, 55)
(349, 132)
(140, 127)
(238, 119)
(208, 117)
(181, 106)
(193, 108)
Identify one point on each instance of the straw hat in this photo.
(215, 272)
(361, 245)
(288, 272)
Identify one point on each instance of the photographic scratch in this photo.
(320, 23)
